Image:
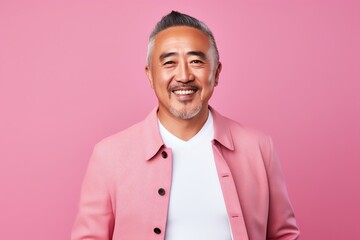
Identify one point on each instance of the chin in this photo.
(186, 113)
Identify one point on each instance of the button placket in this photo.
(162, 193)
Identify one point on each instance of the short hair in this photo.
(180, 19)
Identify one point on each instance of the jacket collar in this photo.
(153, 141)
(222, 133)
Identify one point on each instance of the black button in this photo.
(157, 230)
(164, 154)
(161, 191)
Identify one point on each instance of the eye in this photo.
(197, 61)
(167, 63)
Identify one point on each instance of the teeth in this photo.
(184, 92)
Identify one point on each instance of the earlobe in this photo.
(148, 74)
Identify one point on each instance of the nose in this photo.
(183, 73)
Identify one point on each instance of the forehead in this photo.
(181, 38)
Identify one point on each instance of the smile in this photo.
(184, 92)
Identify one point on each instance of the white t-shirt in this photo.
(197, 208)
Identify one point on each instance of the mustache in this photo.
(178, 86)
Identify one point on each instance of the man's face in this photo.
(183, 71)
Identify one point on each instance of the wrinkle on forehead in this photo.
(182, 40)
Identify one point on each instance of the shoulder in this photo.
(141, 140)
(239, 132)
(121, 140)
(246, 130)
(252, 145)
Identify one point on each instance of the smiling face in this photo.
(183, 72)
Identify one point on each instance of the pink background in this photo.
(72, 72)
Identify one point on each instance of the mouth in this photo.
(184, 92)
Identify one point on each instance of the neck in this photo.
(184, 129)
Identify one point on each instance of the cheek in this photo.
(208, 79)
(162, 76)
(161, 84)
(208, 83)
(205, 75)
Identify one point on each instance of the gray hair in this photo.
(179, 19)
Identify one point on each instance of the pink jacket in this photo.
(125, 193)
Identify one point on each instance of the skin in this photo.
(183, 73)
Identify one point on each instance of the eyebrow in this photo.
(198, 53)
(168, 54)
(191, 53)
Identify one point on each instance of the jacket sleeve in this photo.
(95, 219)
(281, 219)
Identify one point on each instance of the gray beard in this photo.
(186, 114)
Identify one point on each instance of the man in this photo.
(185, 172)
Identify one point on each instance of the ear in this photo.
(149, 76)
(217, 73)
